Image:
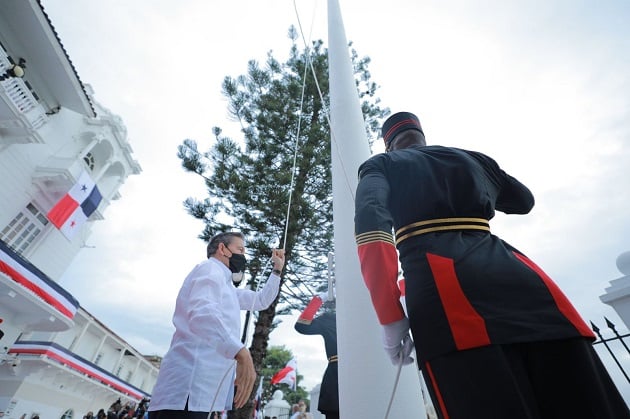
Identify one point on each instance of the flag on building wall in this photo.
(287, 375)
(73, 210)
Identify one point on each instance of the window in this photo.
(89, 161)
(120, 367)
(98, 358)
(22, 230)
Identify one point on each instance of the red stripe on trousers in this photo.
(436, 390)
(467, 326)
(561, 300)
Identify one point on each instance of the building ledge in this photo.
(36, 300)
(56, 355)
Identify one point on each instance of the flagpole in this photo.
(366, 376)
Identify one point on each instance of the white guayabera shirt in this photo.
(199, 365)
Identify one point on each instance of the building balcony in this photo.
(21, 115)
(37, 302)
(43, 359)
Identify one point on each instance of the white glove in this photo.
(397, 342)
(323, 296)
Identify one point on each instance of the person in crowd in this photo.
(142, 407)
(325, 325)
(494, 335)
(197, 374)
(295, 411)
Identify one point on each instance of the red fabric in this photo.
(436, 389)
(401, 286)
(311, 309)
(287, 375)
(562, 302)
(62, 210)
(379, 266)
(467, 326)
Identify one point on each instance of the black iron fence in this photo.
(617, 338)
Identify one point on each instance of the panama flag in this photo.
(287, 375)
(69, 214)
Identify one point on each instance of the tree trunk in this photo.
(258, 350)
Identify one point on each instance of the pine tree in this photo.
(249, 180)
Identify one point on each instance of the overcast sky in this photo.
(540, 85)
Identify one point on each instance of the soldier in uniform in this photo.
(494, 335)
(325, 325)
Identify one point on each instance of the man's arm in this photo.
(514, 197)
(260, 300)
(245, 377)
(304, 323)
(375, 243)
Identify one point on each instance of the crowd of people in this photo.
(118, 410)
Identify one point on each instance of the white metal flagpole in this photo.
(366, 376)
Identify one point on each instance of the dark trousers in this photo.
(538, 380)
(178, 414)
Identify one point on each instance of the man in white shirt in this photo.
(197, 374)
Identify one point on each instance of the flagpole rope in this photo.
(292, 184)
(326, 110)
(349, 187)
(297, 134)
(396, 380)
(216, 394)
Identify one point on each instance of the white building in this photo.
(56, 360)
(618, 293)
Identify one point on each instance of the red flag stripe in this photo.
(62, 210)
(280, 375)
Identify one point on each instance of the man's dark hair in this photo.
(225, 238)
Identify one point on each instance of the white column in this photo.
(366, 376)
(618, 293)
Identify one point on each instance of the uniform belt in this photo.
(332, 358)
(441, 224)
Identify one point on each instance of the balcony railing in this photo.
(20, 96)
(58, 354)
(37, 283)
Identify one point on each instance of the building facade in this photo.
(56, 359)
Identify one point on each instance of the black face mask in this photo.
(237, 262)
(237, 266)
